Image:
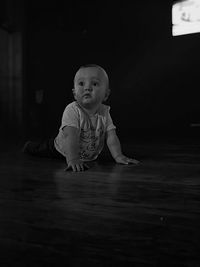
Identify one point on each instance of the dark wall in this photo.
(153, 75)
(11, 67)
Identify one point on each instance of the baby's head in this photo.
(91, 85)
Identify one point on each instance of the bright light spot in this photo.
(186, 17)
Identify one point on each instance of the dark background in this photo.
(154, 77)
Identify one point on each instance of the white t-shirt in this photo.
(92, 130)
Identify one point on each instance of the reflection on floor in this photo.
(110, 215)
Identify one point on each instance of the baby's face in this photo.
(90, 87)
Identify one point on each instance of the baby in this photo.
(86, 122)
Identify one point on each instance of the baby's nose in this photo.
(88, 88)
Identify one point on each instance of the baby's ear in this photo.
(74, 93)
(107, 94)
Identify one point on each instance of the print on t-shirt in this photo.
(91, 140)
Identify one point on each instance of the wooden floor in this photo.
(110, 215)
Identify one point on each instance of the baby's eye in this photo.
(95, 83)
(81, 83)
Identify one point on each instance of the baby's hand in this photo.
(76, 165)
(125, 160)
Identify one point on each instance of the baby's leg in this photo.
(43, 149)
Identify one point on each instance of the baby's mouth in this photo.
(87, 96)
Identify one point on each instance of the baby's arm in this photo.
(71, 135)
(114, 146)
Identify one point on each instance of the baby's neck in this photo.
(91, 110)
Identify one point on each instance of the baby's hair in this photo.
(95, 66)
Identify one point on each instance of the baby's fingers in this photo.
(81, 167)
(77, 167)
(133, 161)
(73, 168)
(122, 161)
